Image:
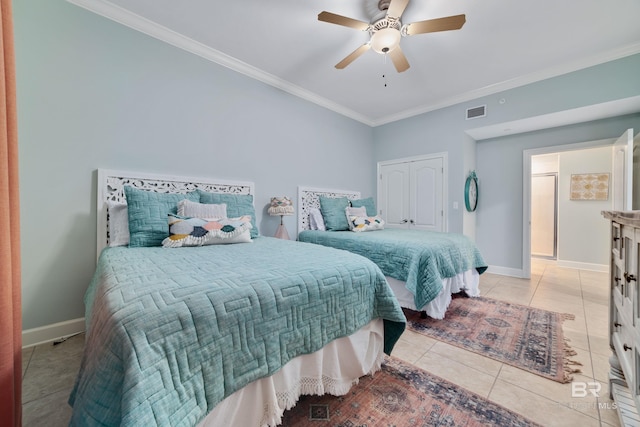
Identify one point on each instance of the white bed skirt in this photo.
(467, 281)
(333, 369)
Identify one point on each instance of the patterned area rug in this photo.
(401, 395)
(521, 336)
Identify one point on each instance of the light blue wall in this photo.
(498, 220)
(94, 94)
(499, 215)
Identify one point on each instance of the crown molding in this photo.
(122, 16)
(565, 68)
(152, 29)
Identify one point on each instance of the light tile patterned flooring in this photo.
(49, 371)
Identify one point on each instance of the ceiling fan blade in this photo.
(397, 7)
(332, 18)
(434, 25)
(399, 60)
(353, 56)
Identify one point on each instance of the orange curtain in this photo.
(10, 292)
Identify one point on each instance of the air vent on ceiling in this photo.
(476, 112)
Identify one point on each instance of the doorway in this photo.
(544, 215)
(564, 240)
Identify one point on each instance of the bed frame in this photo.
(309, 197)
(111, 188)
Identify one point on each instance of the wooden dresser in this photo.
(624, 314)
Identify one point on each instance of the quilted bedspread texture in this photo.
(420, 258)
(172, 332)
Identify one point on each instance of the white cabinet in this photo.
(624, 320)
(411, 193)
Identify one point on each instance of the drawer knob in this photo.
(626, 347)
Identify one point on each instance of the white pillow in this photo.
(118, 224)
(316, 222)
(201, 210)
(360, 211)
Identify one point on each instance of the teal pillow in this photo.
(237, 205)
(148, 210)
(333, 213)
(367, 203)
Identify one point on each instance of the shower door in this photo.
(544, 215)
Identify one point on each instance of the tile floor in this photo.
(49, 371)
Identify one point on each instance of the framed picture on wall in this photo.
(590, 186)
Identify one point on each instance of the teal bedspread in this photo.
(420, 258)
(172, 332)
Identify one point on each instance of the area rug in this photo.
(401, 395)
(518, 335)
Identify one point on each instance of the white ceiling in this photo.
(503, 44)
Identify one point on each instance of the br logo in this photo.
(584, 389)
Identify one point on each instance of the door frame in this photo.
(445, 179)
(526, 190)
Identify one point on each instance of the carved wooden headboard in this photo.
(111, 188)
(309, 197)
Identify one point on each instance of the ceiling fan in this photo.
(386, 32)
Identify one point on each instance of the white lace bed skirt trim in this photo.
(333, 369)
(467, 281)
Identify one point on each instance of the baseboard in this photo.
(48, 333)
(583, 266)
(506, 271)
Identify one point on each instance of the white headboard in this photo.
(111, 188)
(310, 198)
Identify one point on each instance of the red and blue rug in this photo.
(401, 395)
(524, 337)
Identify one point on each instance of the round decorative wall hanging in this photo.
(471, 192)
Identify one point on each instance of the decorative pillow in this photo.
(333, 213)
(361, 211)
(147, 213)
(237, 205)
(118, 224)
(315, 220)
(187, 231)
(365, 223)
(368, 203)
(201, 210)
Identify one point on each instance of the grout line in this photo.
(533, 294)
(495, 381)
(593, 371)
(26, 368)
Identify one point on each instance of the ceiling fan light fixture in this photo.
(385, 40)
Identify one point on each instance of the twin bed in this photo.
(225, 334)
(233, 333)
(422, 267)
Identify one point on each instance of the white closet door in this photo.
(394, 201)
(426, 204)
(411, 194)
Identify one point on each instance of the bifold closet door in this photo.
(411, 194)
